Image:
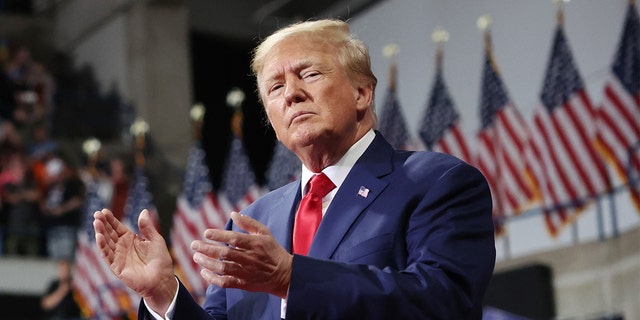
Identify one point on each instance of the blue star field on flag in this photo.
(392, 123)
(238, 177)
(440, 114)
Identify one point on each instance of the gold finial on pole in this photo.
(235, 97)
(390, 51)
(484, 24)
(91, 148)
(139, 129)
(197, 116)
(197, 112)
(560, 13)
(439, 36)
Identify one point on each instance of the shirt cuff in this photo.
(170, 311)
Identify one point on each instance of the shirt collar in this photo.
(339, 171)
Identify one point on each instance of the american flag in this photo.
(440, 128)
(502, 141)
(283, 168)
(633, 175)
(197, 210)
(100, 294)
(239, 188)
(139, 198)
(619, 113)
(392, 123)
(565, 164)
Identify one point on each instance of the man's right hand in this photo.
(142, 262)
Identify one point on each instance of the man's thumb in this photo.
(146, 226)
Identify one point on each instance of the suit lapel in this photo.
(282, 215)
(359, 189)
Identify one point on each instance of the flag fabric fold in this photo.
(566, 167)
(197, 209)
(101, 295)
(619, 112)
(440, 127)
(392, 122)
(283, 168)
(239, 188)
(502, 143)
(138, 199)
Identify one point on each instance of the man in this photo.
(58, 303)
(407, 235)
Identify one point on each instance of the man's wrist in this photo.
(163, 297)
(286, 278)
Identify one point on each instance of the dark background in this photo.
(220, 64)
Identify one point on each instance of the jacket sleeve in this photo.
(185, 308)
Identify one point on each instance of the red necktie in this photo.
(310, 213)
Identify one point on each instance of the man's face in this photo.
(307, 96)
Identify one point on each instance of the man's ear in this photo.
(365, 96)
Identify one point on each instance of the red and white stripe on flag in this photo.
(454, 143)
(563, 159)
(103, 295)
(619, 113)
(500, 157)
(190, 224)
(619, 126)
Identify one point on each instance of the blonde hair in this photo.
(352, 53)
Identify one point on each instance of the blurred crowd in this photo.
(41, 191)
(42, 186)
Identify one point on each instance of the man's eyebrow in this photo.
(296, 66)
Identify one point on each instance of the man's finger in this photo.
(213, 250)
(249, 224)
(112, 223)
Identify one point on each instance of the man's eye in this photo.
(308, 75)
(275, 88)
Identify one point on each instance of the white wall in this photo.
(522, 33)
(94, 36)
(105, 52)
(140, 50)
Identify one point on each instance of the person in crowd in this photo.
(119, 173)
(62, 208)
(58, 302)
(401, 235)
(7, 94)
(9, 135)
(32, 88)
(18, 66)
(21, 199)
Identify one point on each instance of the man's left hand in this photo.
(252, 261)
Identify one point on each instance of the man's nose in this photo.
(294, 92)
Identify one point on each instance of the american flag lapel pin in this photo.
(363, 192)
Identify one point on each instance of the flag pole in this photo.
(560, 12)
(139, 129)
(484, 25)
(197, 117)
(235, 97)
(439, 36)
(91, 148)
(196, 114)
(390, 51)
(560, 22)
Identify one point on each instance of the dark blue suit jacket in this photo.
(417, 244)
